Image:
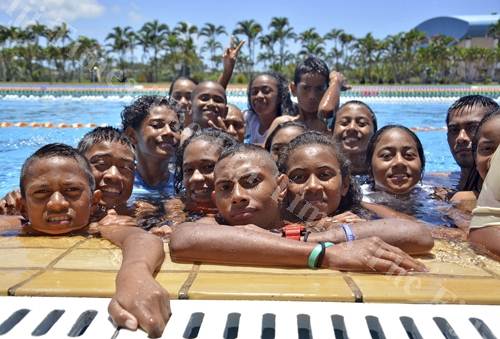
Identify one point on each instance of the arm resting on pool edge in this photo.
(410, 236)
(486, 238)
(139, 300)
(219, 244)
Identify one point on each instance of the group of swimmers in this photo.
(277, 185)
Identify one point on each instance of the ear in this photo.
(346, 182)
(212, 195)
(282, 186)
(131, 134)
(96, 198)
(21, 206)
(226, 109)
(293, 89)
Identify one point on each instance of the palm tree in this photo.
(494, 32)
(311, 43)
(266, 42)
(154, 35)
(250, 29)
(119, 44)
(185, 33)
(345, 41)
(281, 32)
(334, 35)
(132, 41)
(211, 32)
(366, 48)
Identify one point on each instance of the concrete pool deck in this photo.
(86, 267)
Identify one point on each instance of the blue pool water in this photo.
(16, 143)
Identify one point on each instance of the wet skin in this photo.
(247, 190)
(209, 103)
(316, 185)
(282, 138)
(353, 129)
(488, 141)
(198, 165)
(158, 135)
(309, 92)
(113, 167)
(462, 126)
(264, 96)
(58, 197)
(181, 96)
(235, 123)
(396, 165)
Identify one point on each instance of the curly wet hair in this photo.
(133, 115)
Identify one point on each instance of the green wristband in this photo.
(316, 252)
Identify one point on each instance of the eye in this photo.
(266, 90)
(362, 123)
(101, 166)
(219, 100)
(208, 168)
(251, 181)
(453, 129)
(157, 124)
(187, 171)
(224, 187)
(73, 191)
(298, 177)
(344, 122)
(325, 175)
(410, 155)
(174, 126)
(386, 156)
(204, 97)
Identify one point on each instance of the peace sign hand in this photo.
(231, 53)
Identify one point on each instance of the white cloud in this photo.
(135, 15)
(23, 12)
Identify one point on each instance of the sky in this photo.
(95, 18)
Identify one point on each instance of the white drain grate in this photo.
(88, 318)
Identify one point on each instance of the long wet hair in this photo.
(285, 105)
(474, 180)
(211, 135)
(360, 103)
(376, 138)
(353, 197)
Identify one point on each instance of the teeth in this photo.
(57, 219)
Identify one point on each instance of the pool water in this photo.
(16, 143)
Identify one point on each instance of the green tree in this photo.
(119, 44)
(251, 30)
(211, 32)
(153, 35)
(281, 32)
(311, 43)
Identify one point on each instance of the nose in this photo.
(399, 161)
(231, 130)
(57, 203)
(239, 197)
(196, 177)
(313, 185)
(112, 174)
(462, 137)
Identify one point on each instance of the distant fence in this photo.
(420, 91)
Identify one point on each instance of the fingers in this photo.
(211, 124)
(112, 211)
(385, 266)
(400, 258)
(121, 317)
(237, 49)
(153, 318)
(221, 123)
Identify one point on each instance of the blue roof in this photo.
(460, 26)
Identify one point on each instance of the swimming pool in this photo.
(16, 143)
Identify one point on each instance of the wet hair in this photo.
(473, 182)
(285, 105)
(211, 135)
(353, 197)
(103, 134)
(56, 150)
(248, 149)
(360, 103)
(283, 125)
(376, 137)
(133, 115)
(470, 101)
(311, 64)
(175, 80)
(195, 90)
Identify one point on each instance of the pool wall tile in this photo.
(10, 278)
